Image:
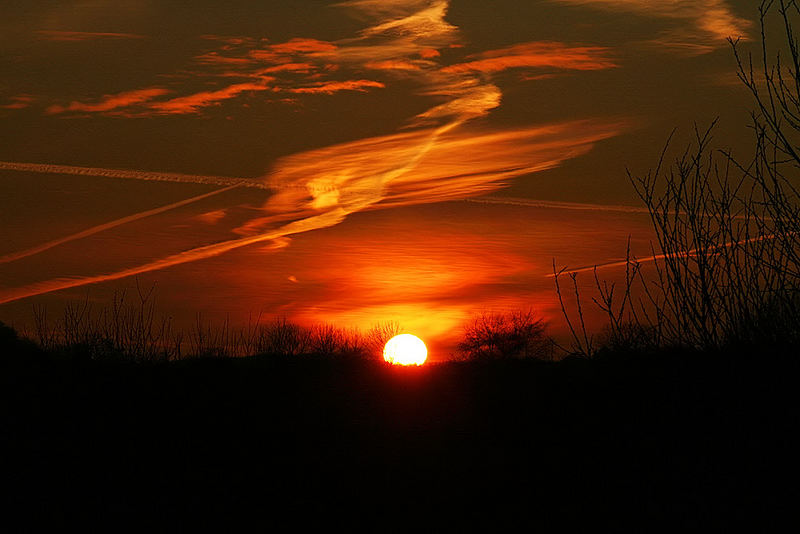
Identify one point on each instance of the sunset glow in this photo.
(218, 220)
(308, 159)
(405, 349)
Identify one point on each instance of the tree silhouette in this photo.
(517, 334)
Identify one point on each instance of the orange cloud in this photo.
(288, 67)
(320, 188)
(243, 52)
(56, 35)
(714, 21)
(215, 58)
(443, 158)
(423, 166)
(282, 52)
(212, 217)
(18, 102)
(228, 40)
(538, 54)
(193, 103)
(303, 46)
(111, 102)
(390, 65)
(329, 88)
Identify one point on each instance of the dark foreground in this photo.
(643, 441)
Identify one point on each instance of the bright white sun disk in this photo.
(405, 349)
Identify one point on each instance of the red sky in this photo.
(353, 162)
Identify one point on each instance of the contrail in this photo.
(331, 217)
(13, 256)
(415, 166)
(580, 206)
(328, 218)
(311, 223)
(47, 168)
(553, 204)
(657, 257)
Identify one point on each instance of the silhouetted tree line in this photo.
(132, 330)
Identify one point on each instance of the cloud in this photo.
(322, 187)
(714, 21)
(212, 217)
(285, 52)
(391, 65)
(145, 105)
(194, 102)
(429, 53)
(423, 166)
(329, 88)
(111, 102)
(229, 41)
(57, 35)
(287, 67)
(19, 102)
(402, 40)
(303, 46)
(442, 156)
(538, 55)
(215, 58)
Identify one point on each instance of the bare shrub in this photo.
(123, 329)
(376, 338)
(330, 340)
(727, 251)
(517, 334)
(282, 338)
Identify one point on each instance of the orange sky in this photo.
(352, 162)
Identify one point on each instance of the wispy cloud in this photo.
(329, 88)
(59, 35)
(538, 55)
(194, 102)
(440, 156)
(713, 21)
(19, 102)
(393, 65)
(111, 102)
(143, 102)
(428, 165)
(403, 41)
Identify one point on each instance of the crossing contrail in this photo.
(554, 204)
(48, 168)
(658, 257)
(323, 220)
(439, 157)
(13, 256)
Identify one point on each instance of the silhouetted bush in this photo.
(376, 338)
(120, 330)
(517, 334)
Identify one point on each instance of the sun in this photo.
(405, 349)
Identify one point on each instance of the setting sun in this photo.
(405, 349)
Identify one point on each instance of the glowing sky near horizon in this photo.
(312, 159)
